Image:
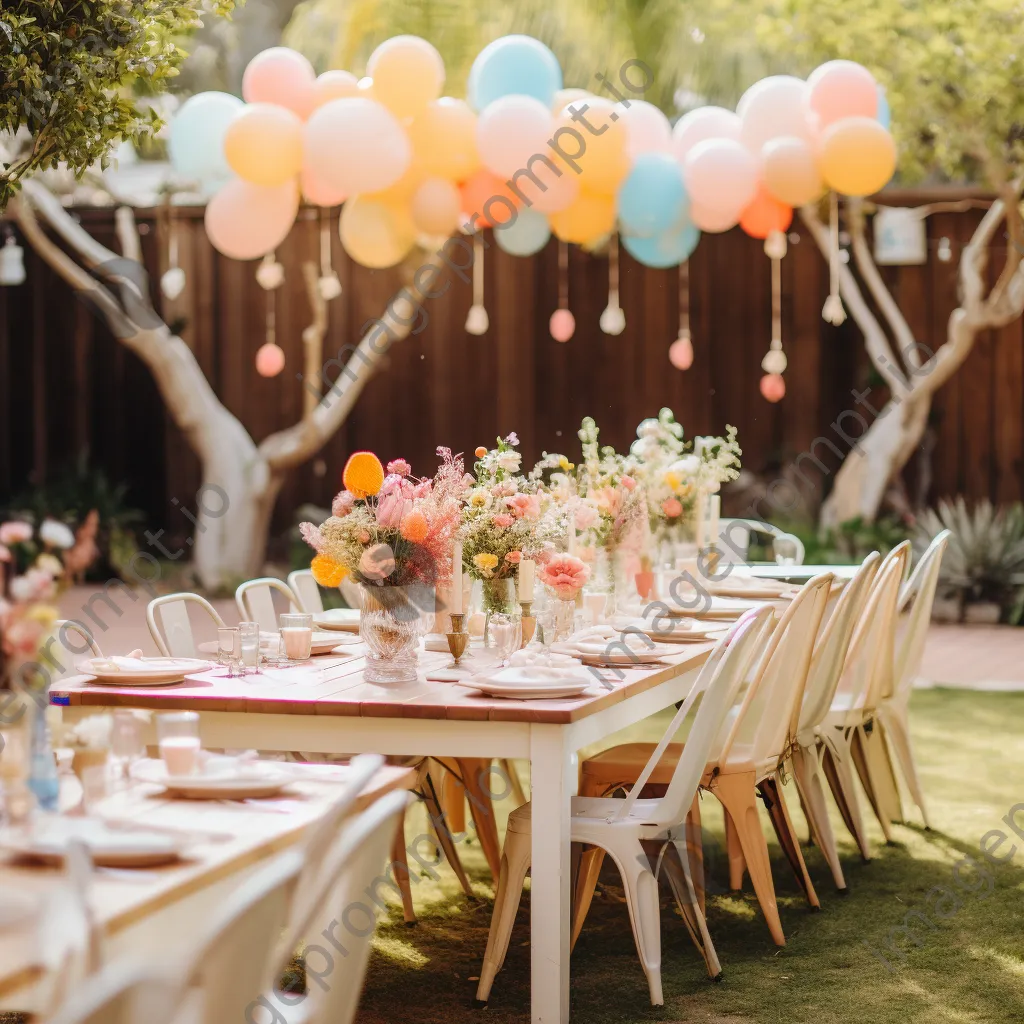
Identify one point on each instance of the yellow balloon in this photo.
(593, 143)
(443, 139)
(588, 217)
(373, 234)
(263, 144)
(407, 74)
(857, 156)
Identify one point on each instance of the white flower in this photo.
(56, 535)
(35, 585)
(510, 461)
(49, 564)
(687, 466)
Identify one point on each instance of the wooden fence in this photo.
(67, 386)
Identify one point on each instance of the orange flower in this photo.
(363, 474)
(480, 452)
(414, 527)
(327, 572)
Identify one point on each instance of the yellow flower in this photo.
(565, 464)
(478, 499)
(485, 561)
(45, 614)
(672, 480)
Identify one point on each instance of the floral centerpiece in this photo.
(393, 534)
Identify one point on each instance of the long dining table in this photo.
(325, 705)
(149, 911)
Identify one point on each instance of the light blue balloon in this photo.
(883, 115)
(668, 249)
(197, 137)
(526, 235)
(514, 65)
(653, 195)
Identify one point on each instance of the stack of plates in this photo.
(118, 671)
(752, 589)
(531, 682)
(225, 779)
(344, 619)
(609, 651)
(108, 846)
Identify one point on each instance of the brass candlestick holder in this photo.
(527, 622)
(458, 638)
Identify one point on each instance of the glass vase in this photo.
(499, 598)
(42, 766)
(390, 624)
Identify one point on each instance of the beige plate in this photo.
(345, 619)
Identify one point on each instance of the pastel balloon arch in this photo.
(526, 156)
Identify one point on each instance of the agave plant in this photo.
(985, 557)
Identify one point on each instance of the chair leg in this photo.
(695, 852)
(734, 851)
(401, 872)
(687, 899)
(774, 800)
(591, 860)
(875, 777)
(444, 835)
(515, 862)
(838, 767)
(475, 773)
(508, 766)
(807, 773)
(736, 792)
(644, 912)
(453, 797)
(897, 732)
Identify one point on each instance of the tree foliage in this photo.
(70, 70)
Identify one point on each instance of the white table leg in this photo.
(553, 785)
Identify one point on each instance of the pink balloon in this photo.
(357, 145)
(720, 175)
(269, 360)
(562, 325)
(549, 193)
(680, 353)
(245, 221)
(701, 124)
(841, 88)
(334, 85)
(772, 107)
(713, 221)
(647, 129)
(281, 76)
(773, 387)
(316, 191)
(510, 131)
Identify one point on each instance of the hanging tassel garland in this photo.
(773, 387)
(172, 281)
(680, 352)
(562, 324)
(613, 320)
(476, 320)
(270, 357)
(832, 312)
(329, 283)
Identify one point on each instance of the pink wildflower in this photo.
(502, 520)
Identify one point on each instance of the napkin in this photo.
(535, 657)
(532, 675)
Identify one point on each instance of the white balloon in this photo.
(701, 124)
(647, 129)
(773, 107)
(721, 177)
(510, 131)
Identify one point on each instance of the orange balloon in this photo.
(598, 153)
(363, 474)
(436, 206)
(765, 215)
(263, 144)
(488, 201)
(588, 217)
(334, 85)
(443, 139)
(790, 171)
(857, 156)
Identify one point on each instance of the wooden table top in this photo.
(334, 685)
(230, 837)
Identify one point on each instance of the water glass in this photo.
(126, 741)
(249, 642)
(95, 786)
(178, 735)
(504, 633)
(228, 650)
(296, 636)
(546, 628)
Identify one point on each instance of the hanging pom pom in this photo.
(269, 360)
(562, 325)
(613, 319)
(774, 362)
(172, 283)
(680, 352)
(773, 387)
(832, 312)
(270, 273)
(477, 320)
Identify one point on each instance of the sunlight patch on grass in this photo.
(404, 954)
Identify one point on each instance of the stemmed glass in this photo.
(547, 627)
(503, 630)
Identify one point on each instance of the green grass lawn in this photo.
(962, 962)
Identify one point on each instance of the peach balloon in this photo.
(316, 191)
(600, 155)
(720, 175)
(680, 353)
(647, 129)
(269, 360)
(550, 193)
(374, 234)
(562, 325)
(245, 221)
(765, 214)
(407, 74)
(436, 206)
(511, 130)
(790, 172)
(773, 387)
(712, 221)
(586, 219)
(281, 76)
(841, 88)
(263, 144)
(488, 200)
(400, 193)
(700, 124)
(334, 85)
(774, 106)
(443, 139)
(857, 156)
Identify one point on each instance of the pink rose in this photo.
(586, 516)
(628, 482)
(22, 637)
(399, 467)
(393, 484)
(504, 490)
(392, 509)
(672, 508)
(515, 557)
(502, 520)
(343, 504)
(608, 500)
(15, 532)
(422, 489)
(565, 575)
(524, 506)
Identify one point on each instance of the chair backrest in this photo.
(717, 686)
(123, 993)
(734, 540)
(255, 600)
(306, 591)
(901, 555)
(175, 639)
(341, 921)
(830, 650)
(64, 626)
(764, 722)
(915, 605)
(867, 671)
(229, 962)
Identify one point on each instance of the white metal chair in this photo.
(306, 590)
(123, 993)
(255, 600)
(621, 827)
(733, 540)
(64, 626)
(822, 679)
(175, 639)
